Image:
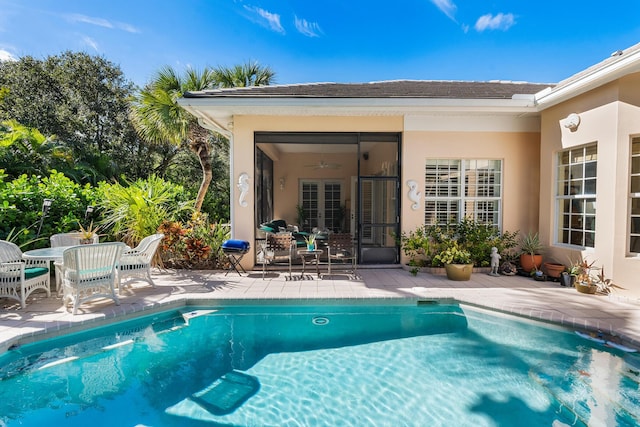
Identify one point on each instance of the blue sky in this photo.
(330, 40)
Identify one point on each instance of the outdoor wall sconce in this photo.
(572, 122)
(243, 185)
(282, 182)
(413, 194)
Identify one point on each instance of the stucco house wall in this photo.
(520, 155)
(609, 116)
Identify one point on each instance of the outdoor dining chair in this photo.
(72, 238)
(341, 249)
(277, 247)
(18, 277)
(135, 264)
(90, 272)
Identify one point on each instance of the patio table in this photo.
(304, 253)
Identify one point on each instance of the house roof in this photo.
(618, 64)
(216, 108)
(384, 89)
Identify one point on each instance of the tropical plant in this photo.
(530, 244)
(158, 118)
(310, 240)
(245, 75)
(88, 232)
(133, 212)
(197, 244)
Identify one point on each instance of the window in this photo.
(458, 188)
(634, 197)
(576, 196)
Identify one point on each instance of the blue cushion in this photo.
(238, 245)
(31, 272)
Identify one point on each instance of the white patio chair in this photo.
(18, 277)
(341, 249)
(136, 263)
(72, 238)
(90, 271)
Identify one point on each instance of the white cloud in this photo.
(309, 29)
(266, 18)
(502, 21)
(90, 42)
(100, 22)
(447, 7)
(75, 17)
(7, 56)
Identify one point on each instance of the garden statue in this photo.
(495, 261)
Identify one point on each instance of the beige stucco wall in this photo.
(609, 116)
(519, 152)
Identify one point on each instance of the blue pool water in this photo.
(365, 365)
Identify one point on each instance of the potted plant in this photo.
(554, 269)
(531, 256)
(310, 240)
(457, 262)
(88, 234)
(585, 282)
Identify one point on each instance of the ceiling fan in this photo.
(324, 165)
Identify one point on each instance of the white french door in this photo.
(323, 204)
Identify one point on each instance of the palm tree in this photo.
(249, 74)
(158, 118)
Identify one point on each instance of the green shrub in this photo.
(423, 244)
(21, 206)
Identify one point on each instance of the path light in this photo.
(88, 212)
(46, 205)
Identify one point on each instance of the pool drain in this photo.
(320, 321)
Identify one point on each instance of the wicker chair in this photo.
(18, 277)
(135, 264)
(90, 272)
(70, 239)
(277, 247)
(341, 249)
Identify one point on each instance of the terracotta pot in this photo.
(553, 269)
(530, 262)
(459, 272)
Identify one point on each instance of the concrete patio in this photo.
(547, 301)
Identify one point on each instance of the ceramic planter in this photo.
(530, 262)
(459, 272)
(553, 269)
(567, 279)
(586, 288)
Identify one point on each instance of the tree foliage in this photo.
(83, 101)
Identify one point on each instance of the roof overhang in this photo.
(620, 64)
(218, 112)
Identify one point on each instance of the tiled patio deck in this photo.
(522, 296)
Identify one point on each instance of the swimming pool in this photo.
(416, 364)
